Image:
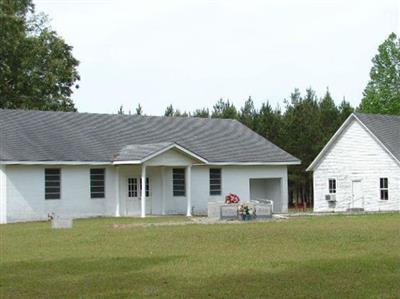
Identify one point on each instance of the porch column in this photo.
(117, 206)
(164, 184)
(143, 191)
(188, 190)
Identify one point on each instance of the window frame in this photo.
(135, 188)
(59, 184)
(219, 191)
(332, 190)
(90, 184)
(383, 189)
(178, 193)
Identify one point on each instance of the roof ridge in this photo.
(376, 114)
(117, 115)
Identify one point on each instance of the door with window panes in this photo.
(133, 196)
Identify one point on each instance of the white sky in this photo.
(191, 53)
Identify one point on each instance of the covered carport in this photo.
(262, 189)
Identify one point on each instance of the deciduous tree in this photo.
(37, 68)
(382, 94)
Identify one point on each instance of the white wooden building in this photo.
(359, 168)
(85, 165)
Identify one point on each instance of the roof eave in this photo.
(137, 162)
(48, 162)
(161, 151)
(255, 163)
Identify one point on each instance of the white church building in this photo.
(85, 165)
(359, 168)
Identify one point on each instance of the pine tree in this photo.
(329, 117)
(121, 110)
(169, 111)
(302, 139)
(224, 109)
(139, 110)
(248, 114)
(268, 123)
(345, 110)
(203, 113)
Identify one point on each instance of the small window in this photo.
(147, 186)
(97, 183)
(384, 188)
(132, 187)
(52, 182)
(215, 181)
(178, 181)
(332, 186)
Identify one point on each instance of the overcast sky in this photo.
(191, 53)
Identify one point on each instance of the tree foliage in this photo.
(139, 110)
(268, 123)
(247, 114)
(329, 116)
(224, 109)
(169, 111)
(345, 109)
(37, 69)
(203, 113)
(382, 94)
(121, 110)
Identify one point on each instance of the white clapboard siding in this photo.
(356, 155)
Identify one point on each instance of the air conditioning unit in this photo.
(330, 197)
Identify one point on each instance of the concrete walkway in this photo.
(196, 220)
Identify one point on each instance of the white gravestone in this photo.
(263, 210)
(229, 211)
(214, 210)
(59, 222)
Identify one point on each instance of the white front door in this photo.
(357, 196)
(133, 203)
(132, 195)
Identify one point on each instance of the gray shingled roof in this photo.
(386, 128)
(138, 152)
(71, 136)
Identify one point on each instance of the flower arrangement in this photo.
(231, 198)
(246, 212)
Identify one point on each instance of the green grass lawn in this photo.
(313, 257)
